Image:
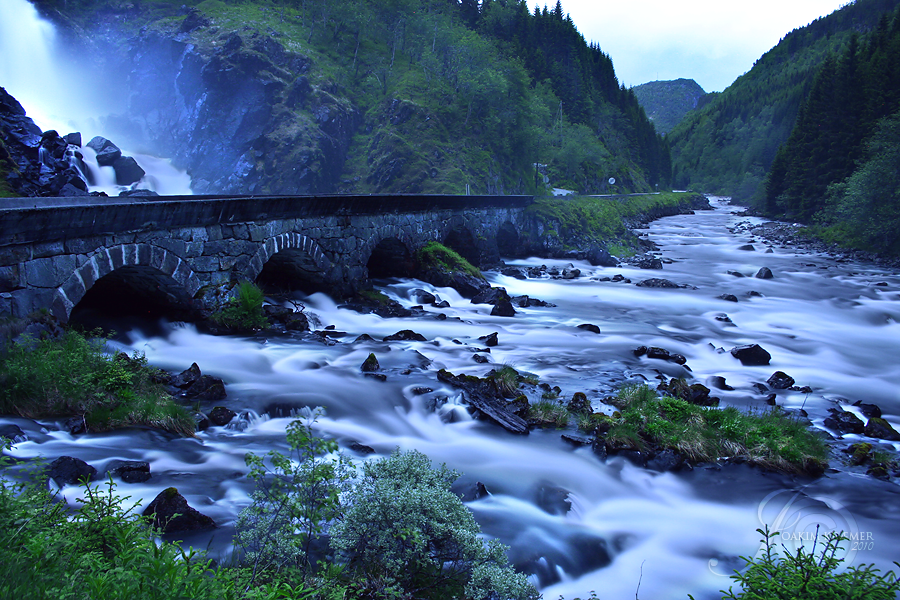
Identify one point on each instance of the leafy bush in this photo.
(438, 256)
(407, 535)
(810, 575)
(296, 497)
(73, 375)
(243, 312)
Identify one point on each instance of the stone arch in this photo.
(508, 240)
(391, 257)
(291, 261)
(462, 239)
(148, 270)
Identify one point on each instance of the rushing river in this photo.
(577, 522)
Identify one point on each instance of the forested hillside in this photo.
(373, 96)
(667, 102)
(728, 145)
(841, 164)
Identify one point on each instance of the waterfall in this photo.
(59, 92)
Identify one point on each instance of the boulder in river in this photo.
(484, 396)
(503, 308)
(370, 365)
(490, 340)
(127, 170)
(107, 152)
(405, 335)
(657, 282)
(221, 416)
(129, 471)
(780, 380)
(751, 355)
(171, 513)
(843, 421)
(589, 327)
(882, 430)
(764, 273)
(869, 410)
(67, 469)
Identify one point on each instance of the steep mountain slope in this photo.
(728, 145)
(666, 102)
(366, 97)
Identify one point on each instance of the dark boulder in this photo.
(491, 295)
(844, 422)
(600, 257)
(747, 248)
(660, 354)
(764, 273)
(66, 469)
(503, 308)
(718, 382)
(127, 170)
(780, 380)
(107, 152)
(171, 513)
(580, 404)
(650, 263)
(76, 425)
(735, 273)
(221, 416)
(422, 296)
(481, 359)
(129, 471)
(490, 340)
(205, 389)
(728, 297)
(187, 377)
(370, 365)
(667, 460)
(695, 393)
(13, 433)
(882, 430)
(657, 282)
(589, 327)
(751, 355)
(473, 492)
(361, 448)
(869, 410)
(406, 335)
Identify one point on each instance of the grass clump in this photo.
(244, 311)
(810, 574)
(770, 439)
(434, 255)
(72, 375)
(547, 413)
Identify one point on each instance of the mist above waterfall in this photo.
(61, 87)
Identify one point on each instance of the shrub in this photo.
(295, 499)
(810, 575)
(73, 375)
(406, 534)
(243, 312)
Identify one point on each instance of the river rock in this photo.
(171, 513)
(491, 295)
(482, 395)
(422, 296)
(580, 404)
(205, 389)
(76, 425)
(735, 273)
(843, 421)
(481, 359)
(221, 416)
(667, 460)
(780, 380)
(751, 355)
(589, 327)
(503, 308)
(473, 492)
(728, 297)
(660, 354)
(764, 273)
(747, 248)
(527, 302)
(370, 365)
(570, 273)
(13, 433)
(490, 340)
(129, 471)
(881, 429)
(107, 152)
(657, 282)
(600, 257)
(695, 393)
(67, 469)
(405, 335)
(718, 382)
(650, 263)
(127, 170)
(869, 410)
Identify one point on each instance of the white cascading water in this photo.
(577, 522)
(59, 93)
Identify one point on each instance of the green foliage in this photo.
(506, 380)
(728, 145)
(770, 439)
(296, 497)
(435, 255)
(407, 535)
(666, 102)
(244, 311)
(547, 413)
(73, 376)
(863, 211)
(810, 575)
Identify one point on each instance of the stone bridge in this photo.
(179, 251)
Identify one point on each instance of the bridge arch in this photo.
(508, 240)
(291, 261)
(391, 255)
(148, 271)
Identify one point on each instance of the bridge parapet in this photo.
(52, 255)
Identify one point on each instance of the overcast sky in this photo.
(710, 41)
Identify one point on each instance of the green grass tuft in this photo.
(439, 256)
